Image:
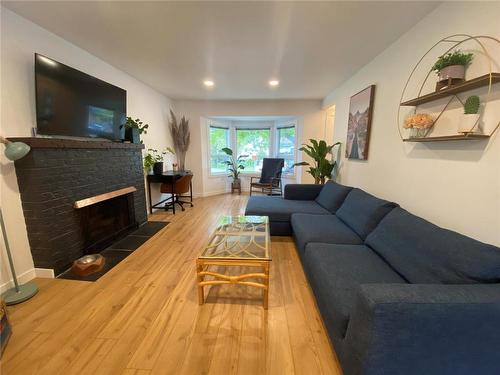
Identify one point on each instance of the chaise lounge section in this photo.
(398, 294)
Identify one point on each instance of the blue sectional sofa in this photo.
(398, 294)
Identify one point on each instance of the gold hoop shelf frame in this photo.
(451, 91)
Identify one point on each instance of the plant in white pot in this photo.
(469, 122)
(450, 68)
(234, 166)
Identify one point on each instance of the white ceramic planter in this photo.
(469, 123)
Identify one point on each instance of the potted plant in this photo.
(450, 68)
(318, 151)
(134, 129)
(469, 122)
(153, 159)
(419, 124)
(234, 167)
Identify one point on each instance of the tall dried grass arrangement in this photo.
(181, 137)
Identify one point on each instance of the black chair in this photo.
(270, 177)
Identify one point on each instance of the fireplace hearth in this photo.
(56, 175)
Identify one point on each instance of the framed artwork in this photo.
(358, 127)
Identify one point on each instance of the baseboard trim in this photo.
(44, 273)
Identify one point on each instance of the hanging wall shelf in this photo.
(451, 92)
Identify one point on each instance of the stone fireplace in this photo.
(78, 197)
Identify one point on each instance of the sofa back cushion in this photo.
(332, 196)
(362, 212)
(424, 253)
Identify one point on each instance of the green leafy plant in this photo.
(234, 166)
(154, 156)
(318, 151)
(471, 106)
(136, 124)
(452, 58)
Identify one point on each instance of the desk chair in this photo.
(179, 187)
(270, 177)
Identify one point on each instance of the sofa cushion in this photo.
(279, 209)
(332, 195)
(335, 273)
(321, 228)
(425, 253)
(362, 211)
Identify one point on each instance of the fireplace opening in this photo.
(107, 221)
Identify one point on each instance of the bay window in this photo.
(257, 141)
(218, 138)
(286, 147)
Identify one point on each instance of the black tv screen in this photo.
(72, 103)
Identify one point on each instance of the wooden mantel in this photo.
(40, 142)
(103, 197)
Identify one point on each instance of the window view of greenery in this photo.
(218, 140)
(256, 144)
(286, 147)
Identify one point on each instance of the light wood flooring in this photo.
(143, 316)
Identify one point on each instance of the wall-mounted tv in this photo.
(72, 103)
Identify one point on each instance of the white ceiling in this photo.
(311, 47)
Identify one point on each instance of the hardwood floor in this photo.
(143, 316)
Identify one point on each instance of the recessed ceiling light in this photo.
(208, 83)
(274, 82)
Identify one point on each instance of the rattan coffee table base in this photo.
(202, 270)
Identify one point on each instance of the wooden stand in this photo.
(235, 186)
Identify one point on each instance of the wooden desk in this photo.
(167, 177)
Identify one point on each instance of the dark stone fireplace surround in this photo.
(57, 173)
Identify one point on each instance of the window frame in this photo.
(212, 124)
(287, 125)
(232, 128)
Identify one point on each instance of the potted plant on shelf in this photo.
(134, 129)
(450, 68)
(234, 167)
(153, 159)
(318, 151)
(469, 122)
(419, 124)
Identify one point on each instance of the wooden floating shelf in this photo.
(458, 137)
(103, 197)
(471, 84)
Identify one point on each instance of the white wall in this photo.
(311, 124)
(453, 184)
(20, 39)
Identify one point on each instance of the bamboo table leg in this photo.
(265, 291)
(200, 278)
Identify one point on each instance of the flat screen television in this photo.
(72, 103)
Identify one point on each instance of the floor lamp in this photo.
(20, 293)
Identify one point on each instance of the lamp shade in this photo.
(16, 150)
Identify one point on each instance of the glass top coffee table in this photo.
(241, 241)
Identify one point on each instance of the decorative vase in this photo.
(418, 133)
(158, 167)
(469, 123)
(236, 182)
(132, 135)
